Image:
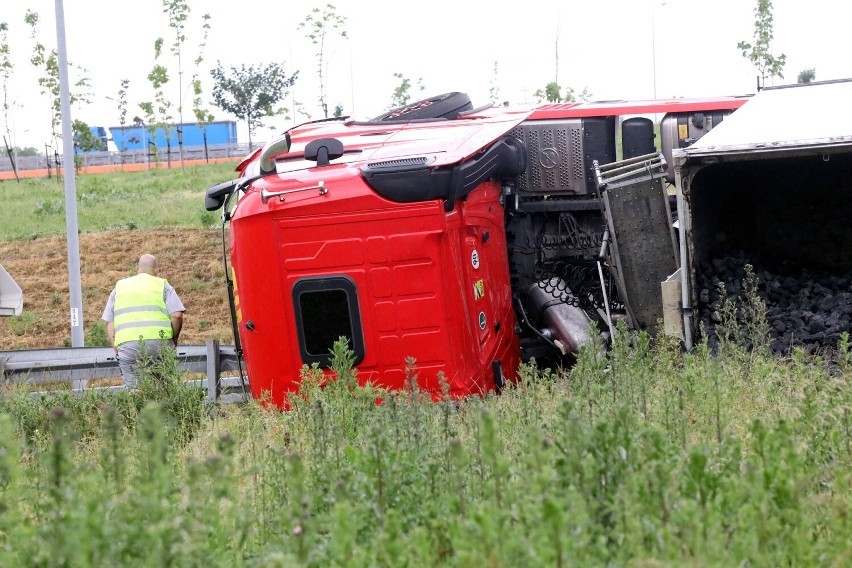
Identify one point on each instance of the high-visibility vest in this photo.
(140, 310)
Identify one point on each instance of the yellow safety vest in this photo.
(140, 310)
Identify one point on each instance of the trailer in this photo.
(772, 188)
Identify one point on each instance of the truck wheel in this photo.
(447, 106)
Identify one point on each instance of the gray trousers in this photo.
(133, 353)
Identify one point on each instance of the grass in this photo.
(643, 457)
(124, 200)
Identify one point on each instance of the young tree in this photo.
(251, 93)
(48, 64)
(319, 25)
(6, 67)
(121, 104)
(806, 75)
(203, 117)
(178, 13)
(760, 53)
(158, 112)
(139, 122)
(40, 59)
(402, 93)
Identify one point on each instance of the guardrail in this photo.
(79, 365)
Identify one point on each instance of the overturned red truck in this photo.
(468, 239)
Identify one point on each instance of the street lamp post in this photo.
(74, 281)
(654, 44)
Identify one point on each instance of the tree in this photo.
(494, 88)
(178, 13)
(319, 24)
(552, 93)
(760, 53)
(401, 94)
(121, 104)
(48, 64)
(6, 67)
(138, 122)
(26, 151)
(203, 117)
(158, 112)
(806, 75)
(85, 141)
(251, 93)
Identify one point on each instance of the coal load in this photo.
(803, 308)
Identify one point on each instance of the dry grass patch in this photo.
(191, 260)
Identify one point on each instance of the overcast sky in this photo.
(615, 48)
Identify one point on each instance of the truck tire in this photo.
(446, 106)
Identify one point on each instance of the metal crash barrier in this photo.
(83, 364)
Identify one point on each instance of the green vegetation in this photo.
(645, 456)
(251, 92)
(122, 200)
(96, 335)
(642, 456)
(760, 53)
(22, 324)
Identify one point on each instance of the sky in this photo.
(617, 49)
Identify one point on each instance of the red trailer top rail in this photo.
(655, 106)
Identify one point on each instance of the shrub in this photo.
(96, 335)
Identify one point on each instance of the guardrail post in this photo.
(214, 387)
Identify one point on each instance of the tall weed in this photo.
(641, 456)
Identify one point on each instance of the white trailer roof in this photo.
(798, 116)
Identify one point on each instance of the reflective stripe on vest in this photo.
(140, 309)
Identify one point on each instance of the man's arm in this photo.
(108, 317)
(110, 329)
(177, 324)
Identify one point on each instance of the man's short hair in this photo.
(147, 263)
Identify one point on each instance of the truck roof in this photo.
(450, 141)
(776, 119)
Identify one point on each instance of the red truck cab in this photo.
(430, 233)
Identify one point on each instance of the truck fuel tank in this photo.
(681, 130)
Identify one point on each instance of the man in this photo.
(143, 315)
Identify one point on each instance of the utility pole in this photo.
(70, 185)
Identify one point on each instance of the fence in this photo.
(190, 153)
(83, 364)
